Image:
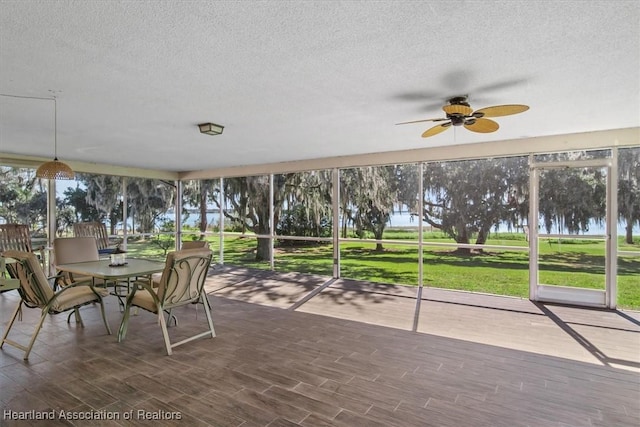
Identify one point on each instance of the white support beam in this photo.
(335, 176)
(416, 315)
(534, 174)
(178, 214)
(20, 161)
(51, 222)
(272, 226)
(221, 221)
(125, 214)
(514, 147)
(611, 257)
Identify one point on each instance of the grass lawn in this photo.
(578, 263)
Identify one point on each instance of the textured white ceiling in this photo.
(303, 80)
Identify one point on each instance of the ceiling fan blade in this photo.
(416, 96)
(492, 87)
(436, 130)
(483, 126)
(420, 121)
(502, 110)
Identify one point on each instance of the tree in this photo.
(368, 196)
(307, 207)
(104, 193)
(348, 184)
(629, 189)
(199, 193)
(10, 190)
(23, 198)
(572, 198)
(77, 199)
(247, 202)
(148, 199)
(166, 241)
(468, 198)
(65, 217)
(248, 198)
(74, 208)
(34, 212)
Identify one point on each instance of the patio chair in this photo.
(181, 283)
(35, 292)
(6, 283)
(67, 250)
(189, 244)
(97, 230)
(195, 244)
(17, 237)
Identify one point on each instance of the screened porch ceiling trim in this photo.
(21, 161)
(544, 144)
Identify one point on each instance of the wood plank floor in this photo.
(307, 350)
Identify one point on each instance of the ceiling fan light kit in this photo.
(459, 113)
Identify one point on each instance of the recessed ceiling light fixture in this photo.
(210, 128)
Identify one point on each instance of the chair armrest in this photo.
(103, 292)
(8, 284)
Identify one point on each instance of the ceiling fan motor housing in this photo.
(460, 112)
(456, 119)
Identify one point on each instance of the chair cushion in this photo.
(143, 299)
(36, 290)
(78, 295)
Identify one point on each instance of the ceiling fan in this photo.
(459, 113)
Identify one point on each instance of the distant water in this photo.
(402, 220)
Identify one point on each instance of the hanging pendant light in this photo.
(55, 169)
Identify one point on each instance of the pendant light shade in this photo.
(55, 169)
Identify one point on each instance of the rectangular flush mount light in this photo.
(210, 128)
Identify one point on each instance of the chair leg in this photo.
(165, 333)
(35, 334)
(207, 312)
(171, 316)
(78, 317)
(75, 312)
(17, 312)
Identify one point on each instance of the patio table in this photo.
(102, 269)
(134, 268)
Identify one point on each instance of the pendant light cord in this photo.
(55, 129)
(54, 169)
